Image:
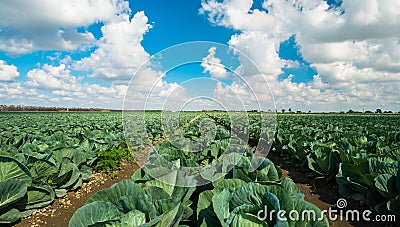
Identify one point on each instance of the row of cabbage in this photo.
(234, 198)
(45, 155)
(360, 152)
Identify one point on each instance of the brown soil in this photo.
(61, 210)
(323, 194)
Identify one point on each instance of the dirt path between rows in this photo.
(61, 210)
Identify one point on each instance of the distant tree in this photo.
(309, 111)
(290, 110)
(368, 111)
(378, 111)
(283, 110)
(299, 111)
(350, 111)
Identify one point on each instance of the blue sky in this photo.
(176, 22)
(313, 55)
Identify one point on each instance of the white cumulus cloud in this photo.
(27, 26)
(212, 65)
(119, 53)
(8, 72)
(354, 48)
(52, 77)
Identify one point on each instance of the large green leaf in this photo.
(253, 194)
(386, 185)
(157, 183)
(41, 169)
(133, 201)
(9, 216)
(376, 167)
(266, 171)
(205, 212)
(250, 194)
(246, 219)
(36, 197)
(126, 196)
(323, 163)
(60, 192)
(221, 205)
(116, 191)
(313, 216)
(72, 173)
(171, 218)
(292, 189)
(95, 213)
(133, 218)
(12, 169)
(86, 172)
(347, 191)
(11, 191)
(229, 184)
(354, 180)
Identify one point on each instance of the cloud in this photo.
(235, 96)
(69, 90)
(236, 14)
(148, 90)
(8, 72)
(119, 53)
(112, 64)
(380, 55)
(27, 26)
(339, 72)
(13, 92)
(120, 58)
(53, 78)
(57, 86)
(262, 51)
(360, 20)
(354, 48)
(212, 65)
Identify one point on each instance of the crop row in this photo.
(360, 152)
(163, 195)
(45, 155)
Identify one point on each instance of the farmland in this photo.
(44, 156)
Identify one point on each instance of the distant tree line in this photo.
(377, 111)
(55, 109)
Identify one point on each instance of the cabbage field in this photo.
(43, 156)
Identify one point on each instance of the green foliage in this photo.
(239, 205)
(127, 202)
(45, 155)
(110, 161)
